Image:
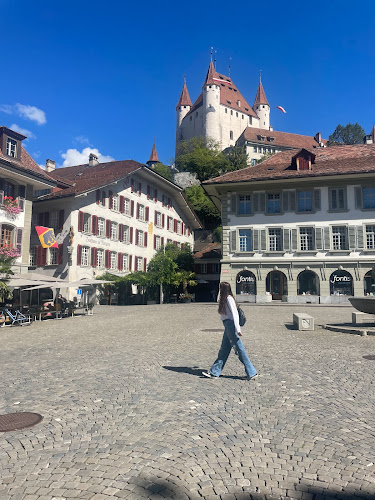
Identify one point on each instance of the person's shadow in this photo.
(197, 372)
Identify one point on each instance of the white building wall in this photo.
(235, 122)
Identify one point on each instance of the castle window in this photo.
(236, 114)
(251, 120)
(246, 109)
(255, 149)
(243, 117)
(11, 147)
(231, 111)
(230, 88)
(231, 134)
(226, 110)
(239, 104)
(222, 85)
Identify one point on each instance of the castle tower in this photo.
(211, 106)
(153, 157)
(262, 108)
(183, 106)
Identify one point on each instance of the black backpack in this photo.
(241, 316)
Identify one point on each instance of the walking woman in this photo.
(231, 338)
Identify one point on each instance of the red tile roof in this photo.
(85, 178)
(153, 155)
(230, 96)
(184, 99)
(211, 250)
(333, 160)
(284, 139)
(260, 98)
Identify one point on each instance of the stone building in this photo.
(300, 226)
(109, 216)
(19, 177)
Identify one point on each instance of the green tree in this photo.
(265, 157)
(6, 263)
(203, 206)
(236, 156)
(163, 170)
(348, 134)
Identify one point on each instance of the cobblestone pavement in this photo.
(128, 415)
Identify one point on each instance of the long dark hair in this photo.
(224, 290)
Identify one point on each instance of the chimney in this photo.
(318, 138)
(50, 165)
(93, 160)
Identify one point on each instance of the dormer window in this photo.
(239, 104)
(11, 147)
(270, 139)
(261, 137)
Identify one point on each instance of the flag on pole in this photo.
(47, 237)
(281, 109)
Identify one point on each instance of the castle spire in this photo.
(153, 157)
(210, 75)
(184, 99)
(261, 95)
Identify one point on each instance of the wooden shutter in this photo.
(234, 203)
(263, 240)
(154, 241)
(81, 219)
(136, 237)
(121, 232)
(262, 202)
(1, 197)
(107, 259)
(137, 216)
(120, 261)
(162, 241)
(110, 199)
(122, 204)
(317, 202)
(147, 213)
(19, 240)
(94, 224)
(351, 234)
(79, 255)
(175, 225)
(44, 256)
(130, 262)
(292, 201)
(140, 189)
(131, 235)
(108, 227)
(93, 257)
(155, 195)
(256, 240)
(294, 239)
(60, 254)
(103, 198)
(233, 241)
(145, 239)
(163, 221)
(285, 201)
(327, 239)
(319, 238)
(148, 192)
(145, 264)
(255, 202)
(98, 196)
(155, 218)
(132, 208)
(21, 203)
(358, 197)
(360, 240)
(163, 200)
(286, 239)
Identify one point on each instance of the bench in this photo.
(359, 318)
(303, 321)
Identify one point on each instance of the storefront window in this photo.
(307, 283)
(369, 282)
(341, 283)
(246, 283)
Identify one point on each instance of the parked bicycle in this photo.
(14, 317)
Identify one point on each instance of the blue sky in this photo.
(82, 74)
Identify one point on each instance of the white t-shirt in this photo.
(231, 313)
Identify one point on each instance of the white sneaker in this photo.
(208, 375)
(253, 377)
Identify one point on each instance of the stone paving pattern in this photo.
(127, 414)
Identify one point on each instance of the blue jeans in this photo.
(231, 339)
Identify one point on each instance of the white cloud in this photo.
(25, 111)
(82, 140)
(75, 157)
(22, 131)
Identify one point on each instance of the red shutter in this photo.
(119, 261)
(110, 199)
(95, 228)
(131, 235)
(122, 204)
(98, 196)
(162, 241)
(169, 203)
(81, 219)
(93, 257)
(140, 189)
(154, 241)
(132, 208)
(107, 259)
(130, 262)
(79, 255)
(121, 232)
(147, 213)
(156, 195)
(44, 256)
(39, 255)
(61, 219)
(148, 192)
(136, 236)
(163, 221)
(155, 218)
(132, 185)
(135, 262)
(182, 228)
(60, 254)
(175, 225)
(137, 216)
(145, 239)
(103, 198)
(145, 264)
(108, 225)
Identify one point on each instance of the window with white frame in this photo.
(85, 259)
(244, 236)
(273, 203)
(113, 260)
(125, 262)
(244, 206)
(203, 268)
(54, 219)
(100, 258)
(126, 234)
(274, 240)
(215, 267)
(11, 147)
(370, 237)
(159, 219)
(139, 263)
(141, 239)
(141, 212)
(339, 238)
(32, 255)
(170, 223)
(369, 197)
(157, 243)
(114, 231)
(52, 256)
(306, 238)
(115, 202)
(101, 227)
(127, 206)
(179, 227)
(337, 199)
(305, 201)
(87, 223)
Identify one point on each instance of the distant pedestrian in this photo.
(231, 338)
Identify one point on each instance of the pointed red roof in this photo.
(154, 155)
(211, 73)
(261, 96)
(184, 99)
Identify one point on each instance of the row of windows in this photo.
(40, 256)
(122, 204)
(107, 259)
(54, 219)
(262, 149)
(303, 201)
(339, 237)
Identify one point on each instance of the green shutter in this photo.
(317, 199)
(318, 238)
(256, 240)
(284, 200)
(262, 207)
(358, 197)
(327, 239)
(360, 242)
(286, 239)
(234, 203)
(294, 239)
(263, 240)
(233, 241)
(351, 232)
(292, 201)
(255, 203)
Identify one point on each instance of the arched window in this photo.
(308, 283)
(341, 283)
(369, 282)
(246, 283)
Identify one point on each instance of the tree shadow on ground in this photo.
(197, 372)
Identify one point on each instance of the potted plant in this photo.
(10, 205)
